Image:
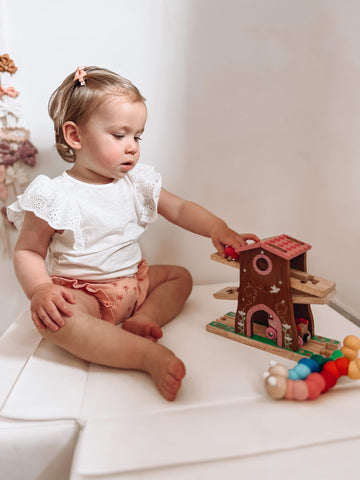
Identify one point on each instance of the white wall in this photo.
(254, 111)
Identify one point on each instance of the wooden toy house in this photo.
(274, 297)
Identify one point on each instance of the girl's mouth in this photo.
(126, 166)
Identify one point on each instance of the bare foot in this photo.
(143, 327)
(166, 370)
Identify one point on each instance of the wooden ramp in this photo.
(305, 287)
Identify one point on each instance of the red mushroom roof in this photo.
(281, 245)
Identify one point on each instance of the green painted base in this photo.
(318, 344)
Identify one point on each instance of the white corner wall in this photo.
(254, 112)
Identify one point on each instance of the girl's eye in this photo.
(138, 139)
(116, 135)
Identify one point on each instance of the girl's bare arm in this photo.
(197, 219)
(47, 300)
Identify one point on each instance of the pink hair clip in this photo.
(80, 75)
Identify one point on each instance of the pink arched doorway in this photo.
(274, 322)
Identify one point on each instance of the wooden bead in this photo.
(278, 369)
(276, 386)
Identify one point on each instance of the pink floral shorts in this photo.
(118, 299)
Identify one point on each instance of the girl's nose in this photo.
(131, 146)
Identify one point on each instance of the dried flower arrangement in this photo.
(17, 153)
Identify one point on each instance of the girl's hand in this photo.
(48, 302)
(222, 235)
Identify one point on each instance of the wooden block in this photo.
(298, 297)
(227, 293)
(307, 283)
(227, 320)
(231, 263)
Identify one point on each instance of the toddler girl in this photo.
(78, 258)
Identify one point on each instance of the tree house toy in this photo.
(273, 299)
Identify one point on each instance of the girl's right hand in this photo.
(48, 302)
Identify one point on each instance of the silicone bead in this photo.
(349, 353)
(309, 362)
(331, 368)
(315, 383)
(351, 341)
(290, 387)
(342, 364)
(300, 372)
(354, 369)
(336, 354)
(300, 391)
(329, 379)
(319, 359)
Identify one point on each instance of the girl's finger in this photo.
(69, 296)
(38, 323)
(64, 307)
(250, 236)
(46, 320)
(219, 247)
(55, 316)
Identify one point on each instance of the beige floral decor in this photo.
(6, 64)
(17, 153)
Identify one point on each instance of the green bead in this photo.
(336, 354)
(319, 359)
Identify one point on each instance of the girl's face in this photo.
(109, 141)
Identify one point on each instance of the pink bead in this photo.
(289, 392)
(315, 383)
(301, 391)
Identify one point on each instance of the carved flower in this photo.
(6, 64)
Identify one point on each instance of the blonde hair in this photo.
(73, 102)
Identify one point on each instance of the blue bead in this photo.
(293, 375)
(312, 364)
(302, 370)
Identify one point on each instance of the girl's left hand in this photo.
(222, 235)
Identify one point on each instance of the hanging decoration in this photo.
(17, 153)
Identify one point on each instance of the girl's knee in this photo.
(185, 277)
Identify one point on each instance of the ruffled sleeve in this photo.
(147, 184)
(48, 201)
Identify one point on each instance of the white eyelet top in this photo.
(98, 227)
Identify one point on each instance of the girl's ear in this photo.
(71, 135)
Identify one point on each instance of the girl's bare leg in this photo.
(90, 338)
(169, 288)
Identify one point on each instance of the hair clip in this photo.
(80, 75)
